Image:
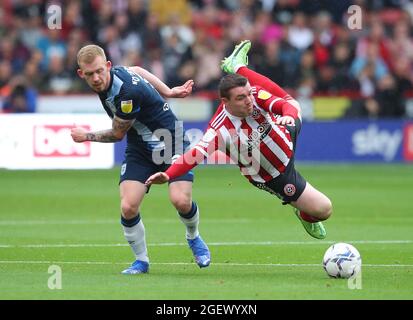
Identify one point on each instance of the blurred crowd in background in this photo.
(305, 46)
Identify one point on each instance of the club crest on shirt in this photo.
(264, 95)
(255, 113)
(126, 106)
(289, 189)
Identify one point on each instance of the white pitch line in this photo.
(110, 221)
(52, 222)
(188, 263)
(236, 243)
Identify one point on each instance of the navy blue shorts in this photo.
(138, 168)
(289, 185)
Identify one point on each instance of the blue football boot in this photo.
(137, 267)
(200, 251)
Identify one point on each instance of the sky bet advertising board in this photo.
(356, 141)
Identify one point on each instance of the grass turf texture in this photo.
(259, 249)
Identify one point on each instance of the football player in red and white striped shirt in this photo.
(256, 125)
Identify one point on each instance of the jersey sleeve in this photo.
(190, 159)
(274, 104)
(209, 142)
(257, 79)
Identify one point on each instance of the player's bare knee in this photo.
(325, 210)
(129, 210)
(182, 204)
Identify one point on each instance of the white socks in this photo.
(192, 222)
(134, 231)
(135, 235)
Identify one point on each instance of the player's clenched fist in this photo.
(78, 134)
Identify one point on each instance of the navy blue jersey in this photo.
(156, 129)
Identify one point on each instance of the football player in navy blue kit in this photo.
(135, 101)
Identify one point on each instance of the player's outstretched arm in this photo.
(119, 129)
(257, 79)
(176, 92)
(181, 166)
(276, 105)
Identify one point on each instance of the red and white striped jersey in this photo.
(261, 148)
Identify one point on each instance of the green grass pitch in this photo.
(259, 249)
